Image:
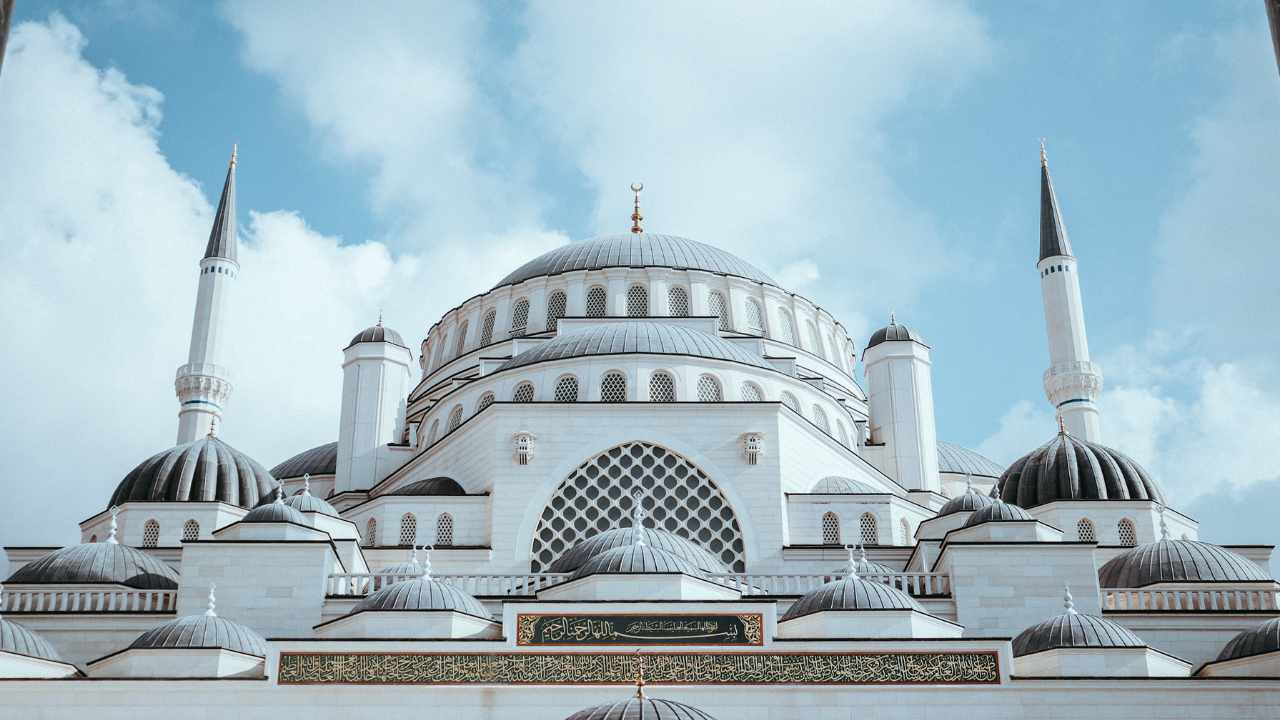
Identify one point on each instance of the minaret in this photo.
(204, 384)
(1072, 383)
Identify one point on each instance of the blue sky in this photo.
(876, 156)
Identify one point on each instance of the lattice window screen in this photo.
(150, 533)
(709, 389)
(597, 302)
(662, 388)
(409, 529)
(787, 327)
(462, 338)
(869, 530)
(567, 389)
(523, 393)
(830, 529)
(755, 319)
(751, 392)
(520, 316)
(485, 401)
(486, 328)
(613, 387)
(444, 529)
(455, 418)
(1084, 529)
(190, 530)
(637, 301)
(371, 533)
(715, 304)
(1128, 535)
(790, 401)
(678, 302)
(820, 419)
(556, 305)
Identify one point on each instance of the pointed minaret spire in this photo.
(1053, 233)
(636, 217)
(222, 238)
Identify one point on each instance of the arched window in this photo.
(820, 419)
(677, 301)
(790, 401)
(755, 318)
(1084, 531)
(904, 532)
(485, 401)
(444, 529)
(815, 342)
(408, 529)
(556, 305)
(715, 305)
(709, 389)
(786, 328)
(190, 530)
(662, 387)
(520, 317)
(637, 301)
(462, 338)
(869, 529)
(567, 389)
(371, 533)
(438, 356)
(830, 529)
(150, 533)
(613, 387)
(486, 327)
(1128, 535)
(597, 302)
(434, 432)
(831, 348)
(93, 538)
(751, 392)
(842, 433)
(455, 418)
(523, 393)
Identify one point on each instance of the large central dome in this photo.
(636, 250)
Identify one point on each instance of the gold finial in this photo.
(1044, 158)
(1062, 425)
(213, 427)
(234, 146)
(636, 217)
(639, 674)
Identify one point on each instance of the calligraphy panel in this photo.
(624, 629)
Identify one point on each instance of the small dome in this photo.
(422, 593)
(17, 639)
(863, 566)
(206, 470)
(579, 554)
(408, 567)
(1178, 561)
(998, 511)
(376, 334)
(834, 484)
(97, 564)
(203, 631)
(274, 512)
(641, 708)
(957, 460)
(306, 502)
(1264, 638)
(636, 560)
(1074, 630)
(893, 332)
(628, 337)
(967, 501)
(1069, 468)
(851, 593)
(431, 486)
(319, 460)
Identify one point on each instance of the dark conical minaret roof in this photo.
(222, 238)
(1053, 234)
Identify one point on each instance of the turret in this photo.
(900, 391)
(375, 382)
(1072, 383)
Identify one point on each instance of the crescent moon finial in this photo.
(636, 217)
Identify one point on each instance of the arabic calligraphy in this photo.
(615, 629)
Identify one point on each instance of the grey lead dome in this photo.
(205, 470)
(1074, 630)
(893, 332)
(203, 631)
(960, 460)
(376, 334)
(423, 593)
(580, 554)
(998, 511)
(319, 460)
(274, 512)
(641, 708)
(851, 593)
(636, 560)
(97, 564)
(1264, 638)
(17, 639)
(635, 336)
(1069, 468)
(1178, 561)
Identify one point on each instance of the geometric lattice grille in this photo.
(1128, 536)
(870, 532)
(715, 303)
(820, 419)
(613, 387)
(709, 389)
(455, 418)
(523, 393)
(830, 529)
(637, 301)
(485, 401)
(190, 531)
(520, 317)
(408, 529)
(1084, 529)
(751, 392)
(567, 389)
(150, 533)
(444, 529)
(755, 319)
(677, 496)
(555, 308)
(371, 533)
(662, 388)
(788, 332)
(486, 328)
(677, 302)
(596, 302)
(790, 401)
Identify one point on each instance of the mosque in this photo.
(638, 478)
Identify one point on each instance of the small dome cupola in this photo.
(319, 460)
(18, 640)
(437, 486)
(998, 511)
(851, 593)
(377, 333)
(893, 332)
(206, 470)
(423, 593)
(1071, 468)
(636, 556)
(206, 631)
(967, 501)
(306, 502)
(1072, 629)
(1178, 561)
(580, 554)
(1258, 640)
(636, 336)
(640, 706)
(274, 512)
(99, 563)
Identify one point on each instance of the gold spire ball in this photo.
(636, 217)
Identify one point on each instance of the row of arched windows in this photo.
(868, 530)
(151, 532)
(409, 530)
(1126, 532)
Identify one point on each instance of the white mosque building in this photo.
(638, 478)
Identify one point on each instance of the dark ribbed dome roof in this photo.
(851, 593)
(96, 564)
(423, 593)
(956, 459)
(431, 486)
(17, 639)
(578, 555)
(967, 501)
(319, 460)
(636, 336)
(203, 631)
(376, 334)
(1264, 638)
(1069, 468)
(635, 250)
(893, 332)
(274, 512)
(636, 559)
(206, 470)
(306, 502)
(1178, 561)
(842, 486)
(998, 511)
(643, 708)
(1074, 630)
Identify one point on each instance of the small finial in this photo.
(639, 674)
(1164, 527)
(279, 494)
(413, 557)
(893, 318)
(862, 554)
(637, 516)
(853, 564)
(379, 317)
(210, 612)
(234, 147)
(1044, 158)
(213, 427)
(115, 527)
(636, 217)
(968, 485)
(1062, 425)
(426, 561)
(306, 483)
(1067, 602)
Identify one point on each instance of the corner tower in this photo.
(900, 393)
(1072, 383)
(203, 385)
(375, 384)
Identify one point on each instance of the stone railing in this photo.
(361, 584)
(915, 584)
(113, 600)
(1208, 599)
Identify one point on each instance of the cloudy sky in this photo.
(873, 156)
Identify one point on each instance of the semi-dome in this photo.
(636, 560)
(967, 501)
(96, 564)
(842, 486)
(636, 336)
(956, 459)
(274, 512)
(421, 593)
(1074, 630)
(578, 555)
(376, 334)
(851, 593)
(893, 332)
(203, 632)
(998, 511)
(431, 486)
(634, 250)
(1070, 468)
(17, 639)
(319, 460)
(1259, 640)
(205, 470)
(1178, 561)
(641, 708)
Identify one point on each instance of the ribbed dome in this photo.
(956, 459)
(306, 502)
(851, 593)
(1264, 638)
(632, 337)
(635, 250)
(274, 512)
(1069, 468)
(423, 593)
(967, 501)
(842, 486)
(893, 332)
(645, 708)
(1074, 630)
(17, 639)
(998, 511)
(578, 555)
(96, 564)
(376, 334)
(206, 470)
(431, 486)
(636, 560)
(319, 460)
(203, 631)
(1178, 561)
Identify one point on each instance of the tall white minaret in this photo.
(1072, 383)
(204, 383)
